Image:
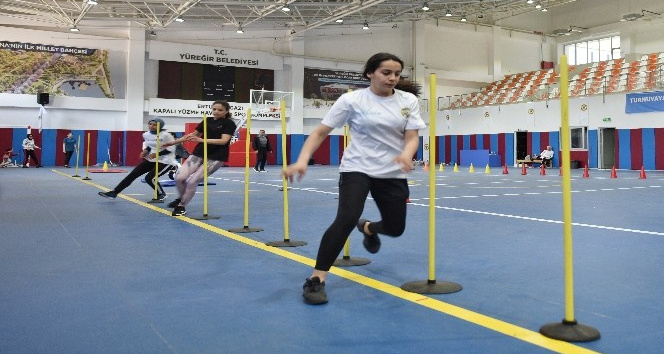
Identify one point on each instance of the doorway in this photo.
(521, 145)
(607, 148)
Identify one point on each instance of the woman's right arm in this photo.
(310, 146)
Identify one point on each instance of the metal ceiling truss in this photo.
(263, 14)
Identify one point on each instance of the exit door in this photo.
(607, 147)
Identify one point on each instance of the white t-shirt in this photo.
(377, 129)
(150, 141)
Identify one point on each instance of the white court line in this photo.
(494, 214)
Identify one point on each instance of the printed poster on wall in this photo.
(323, 87)
(29, 68)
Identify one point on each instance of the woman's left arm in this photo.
(411, 143)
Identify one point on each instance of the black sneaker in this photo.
(178, 211)
(109, 194)
(256, 169)
(371, 241)
(174, 203)
(313, 291)
(263, 171)
(161, 196)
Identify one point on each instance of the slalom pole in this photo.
(245, 228)
(155, 195)
(205, 215)
(346, 260)
(430, 286)
(284, 163)
(78, 152)
(567, 330)
(87, 163)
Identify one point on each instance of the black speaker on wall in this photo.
(43, 98)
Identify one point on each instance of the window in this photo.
(593, 51)
(578, 138)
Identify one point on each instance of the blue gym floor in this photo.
(85, 274)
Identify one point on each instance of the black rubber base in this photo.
(76, 176)
(245, 229)
(204, 217)
(286, 243)
(351, 262)
(432, 287)
(570, 332)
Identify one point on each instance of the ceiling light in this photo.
(530, 1)
(285, 8)
(92, 2)
(340, 20)
(365, 26)
(538, 6)
(425, 6)
(179, 19)
(448, 13)
(73, 28)
(239, 30)
(152, 33)
(463, 19)
(544, 9)
(480, 15)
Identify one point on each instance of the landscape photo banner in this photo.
(31, 68)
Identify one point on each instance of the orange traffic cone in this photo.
(542, 170)
(586, 174)
(642, 175)
(505, 171)
(613, 172)
(523, 169)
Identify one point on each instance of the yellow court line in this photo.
(487, 322)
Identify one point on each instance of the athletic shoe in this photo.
(174, 203)
(313, 291)
(109, 194)
(161, 196)
(38, 166)
(263, 170)
(66, 166)
(256, 169)
(179, 211)
(371, 241)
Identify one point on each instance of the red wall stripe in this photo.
(636, 147)
(659, 146)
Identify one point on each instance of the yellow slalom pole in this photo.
(567, 191)
(87, 163)
(155, 195)
(431, 286)
(286, 242)
(246, 169)
(569, 329)
(78, 152)
(205, 166)
(245, 228)
(284, 163)
(346, 140)
(432, 178)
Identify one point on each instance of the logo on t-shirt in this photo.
(405, 112)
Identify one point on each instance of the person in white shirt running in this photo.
(384, 121)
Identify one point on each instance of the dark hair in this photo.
(404, 85)
(226, 105)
